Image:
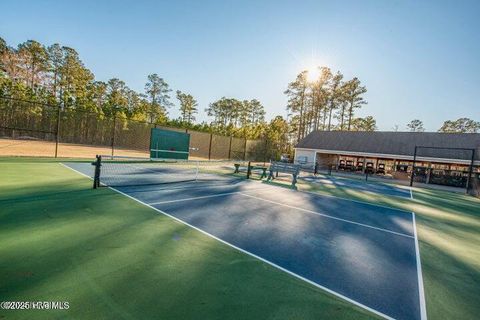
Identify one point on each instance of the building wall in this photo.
(326, 160)
(300, 155)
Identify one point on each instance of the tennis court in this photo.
(363, 253)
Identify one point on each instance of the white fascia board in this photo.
(391, 156)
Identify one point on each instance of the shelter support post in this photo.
(413, 166)
(470, 170)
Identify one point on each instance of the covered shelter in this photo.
(441, 158)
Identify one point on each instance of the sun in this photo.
(313, 74)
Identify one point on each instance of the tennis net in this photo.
(116, 171)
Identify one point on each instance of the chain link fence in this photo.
(29, 128)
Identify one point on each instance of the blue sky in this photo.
(418, 59)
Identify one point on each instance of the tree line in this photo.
(461, 125)
(326, 102)
(56, 75)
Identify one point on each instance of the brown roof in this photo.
(395, 143)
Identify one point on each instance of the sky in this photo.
(418, 59)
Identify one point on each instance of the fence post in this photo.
(210, 147)
(113, 133)
(265, 152)
(230, 148)
(245, 150)
(57, 133)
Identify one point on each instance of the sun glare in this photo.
(313, 74)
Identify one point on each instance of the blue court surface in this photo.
(375, 187)
(363, 253)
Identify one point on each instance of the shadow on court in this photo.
(360, 252)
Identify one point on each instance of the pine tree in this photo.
(461, 125)
(35, 61)
(157, 91)
(188, 107)
(353, 92)
(335, 96)
(415, 126)
(297, 101)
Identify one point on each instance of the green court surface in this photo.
(113, 258)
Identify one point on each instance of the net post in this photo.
(249, 170)
(413, 166)
(96, 178)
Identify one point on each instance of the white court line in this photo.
(328, 216)
(421, 292)
(352, 200)
(202, 197)
(411, 193)
(262, 199)
(83, 174)
(260, 258)
(382, 187)
(339, 295)
(302, 191)
(248, 253)
(188, 186)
